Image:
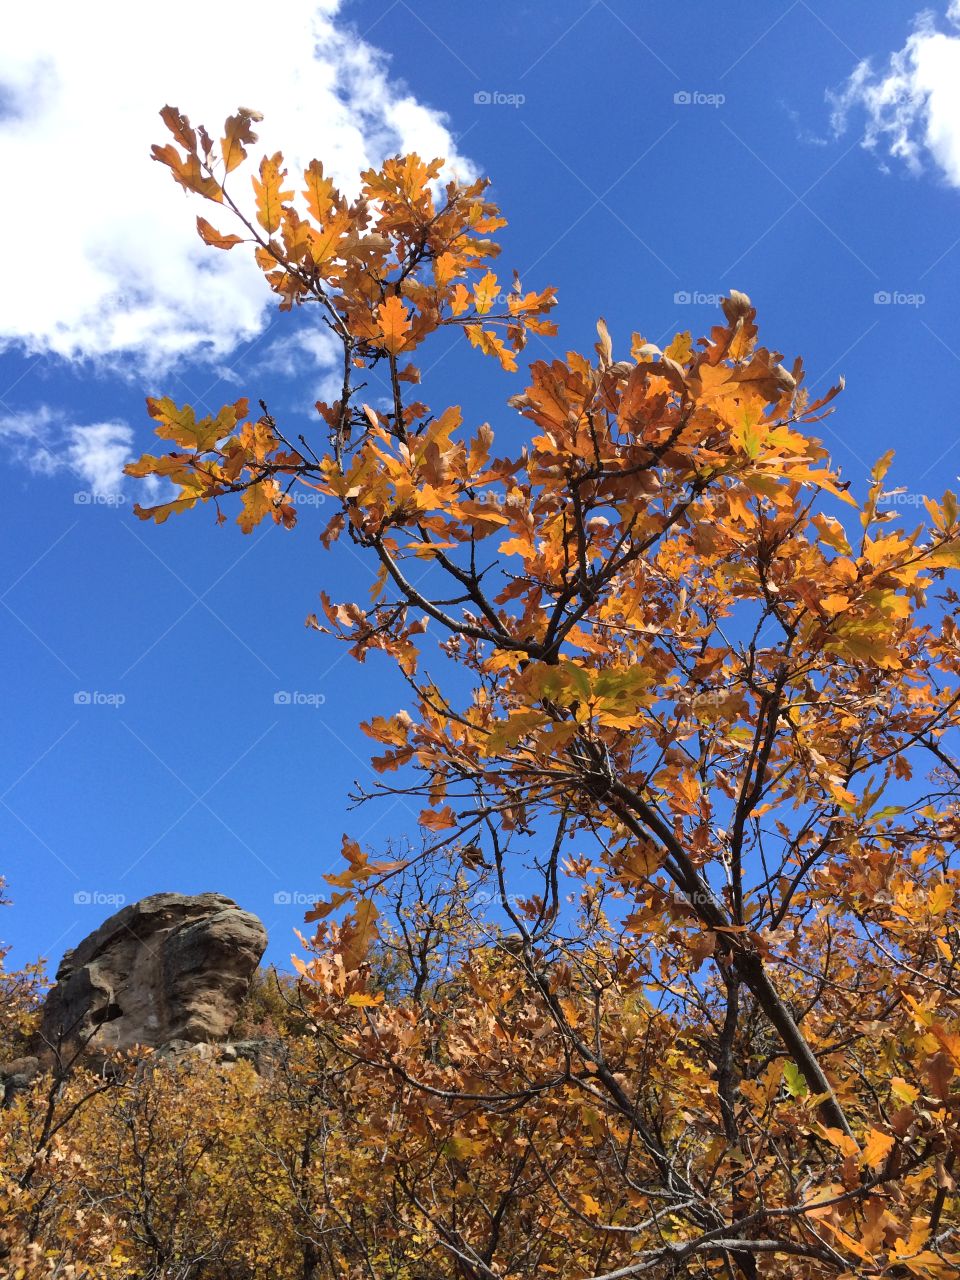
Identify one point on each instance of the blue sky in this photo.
(808, 155)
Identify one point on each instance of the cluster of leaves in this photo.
(692, 733)
(21, 991)
(387, 270)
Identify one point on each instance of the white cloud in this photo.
(98, 453)
(912, 106)
(46, 443)
(304, 350)
(102, 257)
(310, 353)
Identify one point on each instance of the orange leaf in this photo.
(179, 126)
(359, 931)
(439, 820)
(236, 132)
(876, 1148)
(188, 172)
(394, 324)
(318, 192)
(210, 235)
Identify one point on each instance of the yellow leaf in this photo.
(507, 733)
(941, 899)
(491, 345)
(166, 509)
(947, 554)
(257, 503)
(364, 1000)
(318, 192)
(882, 466)
(831, 532)
(484, 293)
(591, 1207)
(462, 1148)
(905, 1092)
(270, 197)
(681, 348)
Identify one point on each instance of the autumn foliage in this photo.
(667, 983)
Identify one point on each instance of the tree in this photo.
(718, 1031)
(20, 994)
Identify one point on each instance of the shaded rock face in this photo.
(169, 967)
(15, 1076)
(266, 1056)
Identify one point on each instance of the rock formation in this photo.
(167, 968)
(15, 1076)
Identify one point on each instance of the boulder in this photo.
(266, 1056)
(170, 967)
(16, 1075)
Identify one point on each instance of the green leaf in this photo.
(794, 1081)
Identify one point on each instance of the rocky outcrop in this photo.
(266, 1055)
(15, 1076)
(168, 968)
